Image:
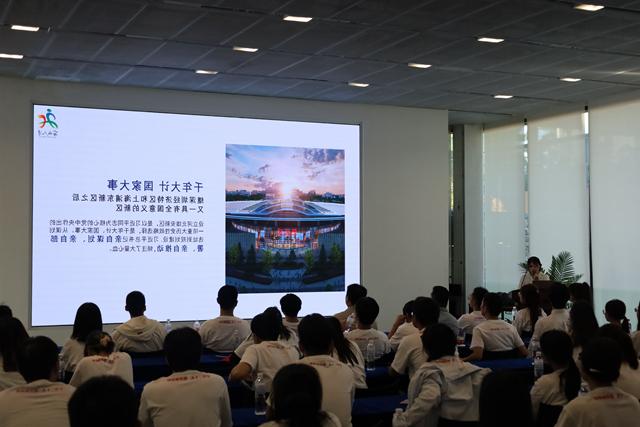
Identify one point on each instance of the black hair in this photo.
(557, 347)
(439, 341)
(88, 319)
(98, 342)
(478, 294)
(584, 324)
(558, 295)
(5, 311)
(441, 295)
(341, 344)
(183, 348)
(638, 316)
(315, 335)
(37, 358)
(531, 300)
(580, 292)
(493, 303)
(12, 335)
(504, 397)
(227, 297)
(426, 311)
(88, 403)
(355, 292)
(367, 310)
(616, 333)
(275, 317)
(297, 396)
(136, 303)
(263, 327)
(407, 309)
(291, 304)
(617, 310)
(601, 359)
(534, 260)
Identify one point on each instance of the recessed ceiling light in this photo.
(24, 28)
(490, 40)
(11, 56)
(503, 96)
(356, 84)
(589, 7)
(245, 49)
(210, 72)
(570, 79)
(417, 65)
(297, 18)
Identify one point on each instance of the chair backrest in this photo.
(548, 415)
(499, 355)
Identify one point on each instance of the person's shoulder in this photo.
(331, 421)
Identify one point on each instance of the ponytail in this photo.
(342, 345)
(626, 325)
(570, 380)
(531, 299)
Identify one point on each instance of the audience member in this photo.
(559, 317)
(629, 379)
(105, 401)
(43, 400)
(88, 319)
(534, 272)
(12, 335)
(468, 321)
(139, 334)
(225, 333)
(615, 311)
(583, 326)
(285, 336)
(187, 397)
(580, 292)
(290, 305)
(494, 335)
(403, 326)
(296, 399)
(527, 317)
(100, 359)
(635, 337)
(5, 311)
(444, 387)
(353, 294)
(338, 387)
(605, 405)
(348, 353)
(505, 401)
(440, 295)
(367, 311)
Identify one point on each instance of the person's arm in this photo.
(523, 351)
(399, 321)
(400, 360)
(422, 405)
(242, 371)
(143, 412)
(476, 354)
(225, 409)
(477, 346)
(536, 397)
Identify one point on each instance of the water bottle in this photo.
(371, 356)
(196, 325)
(538, 365)
(395, 422)
(514, 311)
(260, 389)
(167, 326)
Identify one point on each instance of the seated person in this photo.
(290, 305)
(505, 401)
(88, 319)
(605, 404)
(140, 334)
(267, 354)
(187, 397)
(580, 292)
(410, 354)
(444, 387)
(493, 334)
(353, 294)
(225, 333)
(338, 386)
(296, 399)
(468, 321)
(348, 353)
(534, 272)
(440, 294)
(584, 326)
(102, 360)
(367, 310)
(629, 379)
(559, 317)
(104, 392)
(285, 336)
(5, 311)
(12, 336)
(615, 311)
(403, 326)
(527, 317)
(43, 400)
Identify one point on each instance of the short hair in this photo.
(580, 292)
(493, 303)
(263, 327)
(37, 358)
(314, 332)
(355, 292)
(227, 297)
(290, 304)
(297, 396)
(87, 404)
(183, 348)
(439, 341)
(98, 342)
(426, 311)
(441, 295)
(558, 295)
(407, 309)
(534, 260)
(12, 335)
(504, 397)
(88, 319)
(135, 302)
(367, 310)
(601, 359)
(5, 311)
(478, 294)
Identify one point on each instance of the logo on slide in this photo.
(48, 118)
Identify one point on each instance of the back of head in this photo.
(492, 303)
(441, 295)
(5, 311)
(355, 292)
(38, 359)
(505, 400)
(601, 359)
(290, 304)
(439, 341)
(105, 401)
(183, 348)
(297, 396)
(616, 310)
(407, 309)
(266, 327)
(558, 295)
(531, 300)
(12, 336)
(478, 295)
(88, 319)
(557, 348)
(367, 310)
(314, 332)
(580, 292)
(616, 333)
(97, 343)
(228, 297)
(583, 323)
(341, 344)
(136, 303)
(425, 311)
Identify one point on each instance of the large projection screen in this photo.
(177, 205)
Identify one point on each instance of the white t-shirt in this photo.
(186, 399)
(410, 355)
(139, 334)
(72, 352)
(224, 333)
(557, 320)
(495, 335)
(337, 386)
(629, 380)
(330, 421)
(9, 379)
(359, 375)
(40, 403)
(403, 330)
(527, 279)
(602, 407)
(468, 321)
(118, 364)
(362, 336)
(522, 322)
(548, 390)
(268, 357)
(449, 320)
(292, 326)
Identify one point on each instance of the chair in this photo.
(500, 355)
(548, 415)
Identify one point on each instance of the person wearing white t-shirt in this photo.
(290, 305)
(440, 294)
(367, 310)
(338, 387)
(527, 317)
(494, 335)
(43, 400)
(403, 326)
(605, 405)
(225, 333)
(140, 334)
(468, 321)
(559, 317)
(102, 360)
(534, 272)
(187, 397)
(109, 392)
(285, 336)
(12, 335)
(353, 294)
(629, 379)
(88, 319)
